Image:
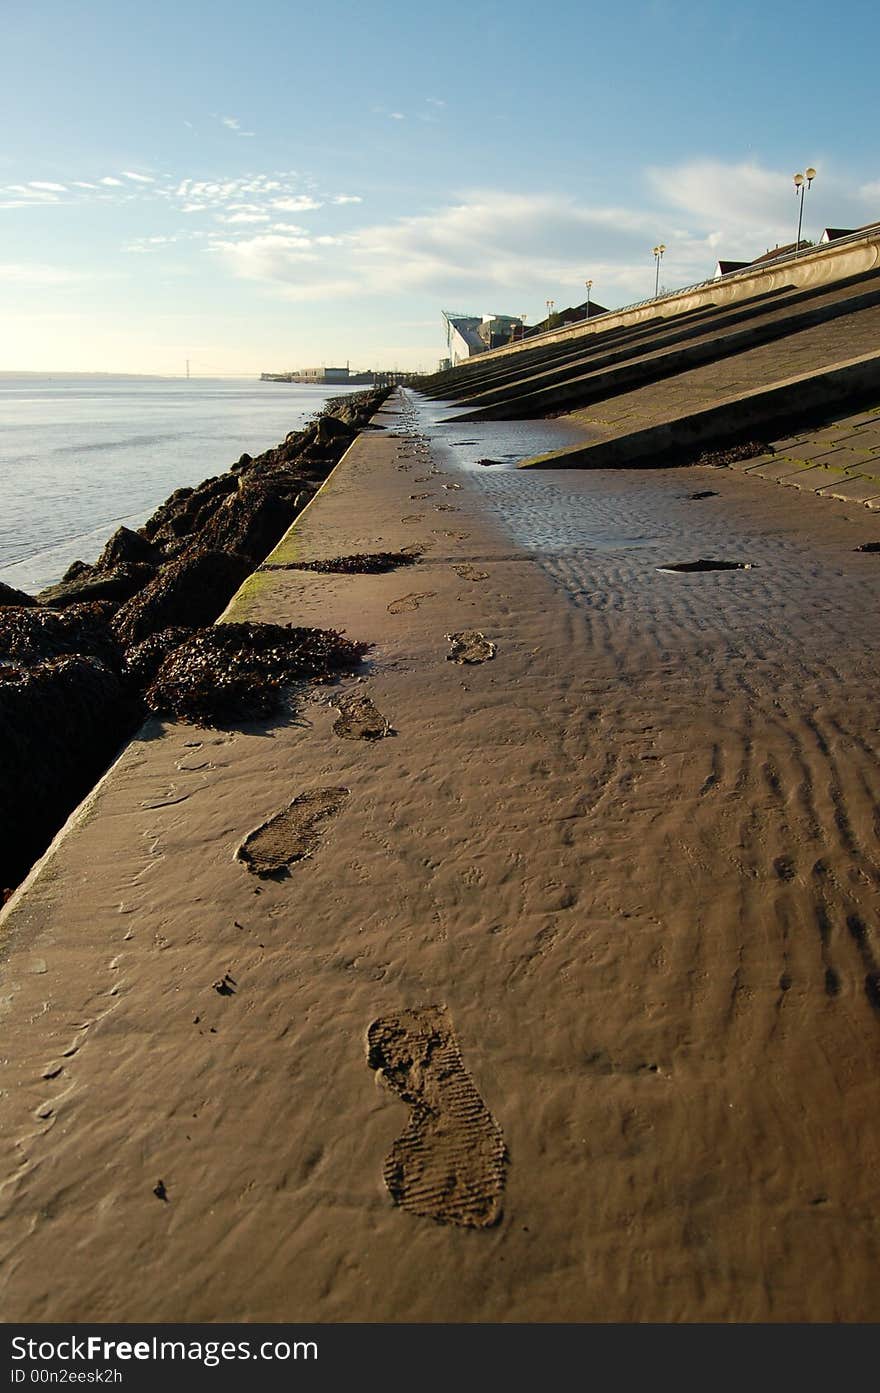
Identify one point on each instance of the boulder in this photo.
(126, 548)
(10, 596)
(93, 584)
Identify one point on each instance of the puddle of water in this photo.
(505, 443)
(699, 567)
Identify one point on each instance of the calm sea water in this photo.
(80, 455)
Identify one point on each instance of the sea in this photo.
(81, 455)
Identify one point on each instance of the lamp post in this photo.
(658, 257)
(589, 285)
(550, 304)
(801, 183)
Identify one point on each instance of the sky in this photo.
(284, 185)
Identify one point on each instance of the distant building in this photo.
(573, 314)
(470, 334)
(831, 234)
(726, 268)
(323, 374)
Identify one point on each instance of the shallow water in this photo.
(81, 455)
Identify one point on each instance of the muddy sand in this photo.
(556, 997)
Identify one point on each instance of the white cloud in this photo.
(746, 208)
(266, 257)
(302, 203)
(232, 122)
(397, 116)
(109, 179)
(342, 198)
(434, 101)
(242, 217)
(51, 188)
(79, 184)
(139, 178)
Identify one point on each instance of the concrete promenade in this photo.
(621, 878)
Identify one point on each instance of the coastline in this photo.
(74, 662)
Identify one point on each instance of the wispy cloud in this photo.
(111, 181)
(51, 188)
(138, 178)
(341, 198)
(232, 123)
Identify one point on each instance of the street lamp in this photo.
(658, 257)
(589, 285)
(801, 183)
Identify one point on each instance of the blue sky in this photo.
(288, 184)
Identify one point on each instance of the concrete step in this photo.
(738, 414)
(570, 387)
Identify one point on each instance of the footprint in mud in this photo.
(703, 493)
(413, 517)
(409, 602)
(417, 497)
(686, 567)
(291, 834)
(451, 488)
(445, 508)
(449, 1164)
(469, 572)
(470, 646)
(359, 720)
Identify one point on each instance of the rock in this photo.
(10, 596)
(331, 429)
(126, 548)
(92, 584)
(191, 590)
(250, 521)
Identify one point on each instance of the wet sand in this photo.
(572, 1010)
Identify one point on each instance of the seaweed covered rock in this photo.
(250, 521)
(237, 671)
(143, 660)
(192, 590)
(185, 513)
(30, 635)
(60, 724)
